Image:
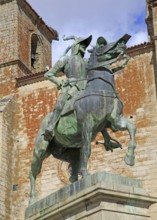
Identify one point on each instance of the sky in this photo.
(108, 18)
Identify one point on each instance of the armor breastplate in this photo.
(75, 68)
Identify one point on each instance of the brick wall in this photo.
(34, 102)
(6, 155)
(8, 44)
(8, 33)
(17, 23)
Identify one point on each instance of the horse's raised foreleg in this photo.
(124, 124)
(130, 157)
(39, 154)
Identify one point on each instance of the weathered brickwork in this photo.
(7, 80)
(18, 22)
(21, 114)
(6, 155)
(8, 43)
(34, 102)
(8, 33)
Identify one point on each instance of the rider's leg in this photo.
(54, 119)
(85, 151)
(49, 132)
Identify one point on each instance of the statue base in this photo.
(101, 196)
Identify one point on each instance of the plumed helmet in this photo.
(78, 41)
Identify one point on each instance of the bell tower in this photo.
(25, 43)
(25, 49)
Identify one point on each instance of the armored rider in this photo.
(74, 67)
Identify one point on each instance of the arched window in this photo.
(35, 53)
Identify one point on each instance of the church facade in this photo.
(25, 98)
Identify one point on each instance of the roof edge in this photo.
(53, 32)
(139, 47)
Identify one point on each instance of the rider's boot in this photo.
(49, 131)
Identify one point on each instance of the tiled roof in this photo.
(29, 79)
(139, 47)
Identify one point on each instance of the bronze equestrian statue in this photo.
(90, 110)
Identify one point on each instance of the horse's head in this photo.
(104, 54)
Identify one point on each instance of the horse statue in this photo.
(94, 110)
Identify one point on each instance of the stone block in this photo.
(100, 196)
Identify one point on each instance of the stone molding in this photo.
(29, 79)
(109, 194)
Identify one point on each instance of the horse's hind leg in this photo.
(75, 170)
(39, 154)
(125, 124)
(86, 146)
(75, 165)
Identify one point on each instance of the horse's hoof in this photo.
(73, 179)
(129, 160)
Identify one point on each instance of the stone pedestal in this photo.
(100, 196)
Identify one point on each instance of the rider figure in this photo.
(74, 67)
